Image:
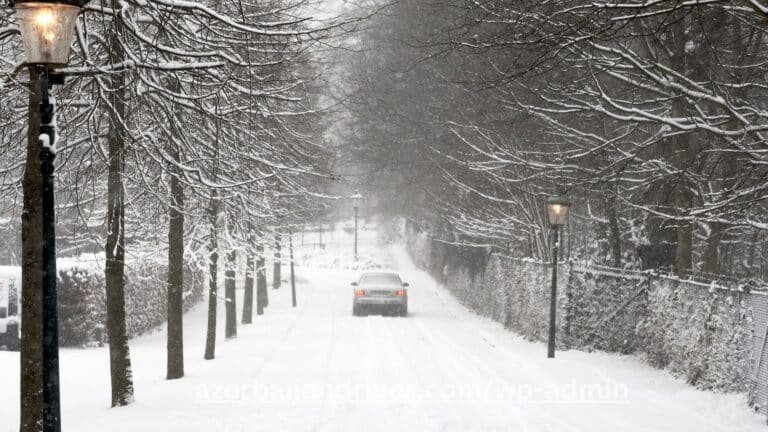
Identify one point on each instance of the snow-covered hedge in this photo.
(604, 310)
(82, 299)
(80, 305)
(700, 333)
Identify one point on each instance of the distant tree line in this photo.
(649, 115)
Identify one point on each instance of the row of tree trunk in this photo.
(119, 353)
(255, 269)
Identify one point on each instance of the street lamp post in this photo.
(293, 276)
(557, 210)
(46, 31)
(356, 203)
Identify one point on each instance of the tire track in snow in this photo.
(323, 411)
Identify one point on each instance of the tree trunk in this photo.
(119, 355)
(686, 149)
(250, 270)
(120, 364)
(711, 254)
(615, 232)
(684, 251)
(210, 340)
(262, 299)
(175, 345)
(763, 257)
(752, 266)
(31, 397)
(229, 289)
(684, 152)
(293, 275)
(276, 277)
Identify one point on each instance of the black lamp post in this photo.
(46, 32)
(293, 275)
(356, 203)
(557, 210)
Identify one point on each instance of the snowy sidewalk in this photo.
(318, 368)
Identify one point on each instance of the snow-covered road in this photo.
(318, 368)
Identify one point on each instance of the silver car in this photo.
(380, 292)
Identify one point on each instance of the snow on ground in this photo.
(318, 368)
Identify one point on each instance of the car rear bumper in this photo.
(381, 301)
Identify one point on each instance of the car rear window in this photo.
(380, 279)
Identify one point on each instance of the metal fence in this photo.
(713, 336)
(757, 371)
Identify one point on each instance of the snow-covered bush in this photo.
(81, 305)
(699, 334)
(605, 310)
(527, 304)
(419, 246)
(82, 299)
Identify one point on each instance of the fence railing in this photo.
(713, 335)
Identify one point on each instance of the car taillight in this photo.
(401, 293)
(360, 293)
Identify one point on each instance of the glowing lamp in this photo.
(46, 31)
(557, 209)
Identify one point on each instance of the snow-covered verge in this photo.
(709, 336)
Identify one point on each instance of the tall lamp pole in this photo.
(293, 276)
(356, 197)
(557, 210)
(46, 31)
